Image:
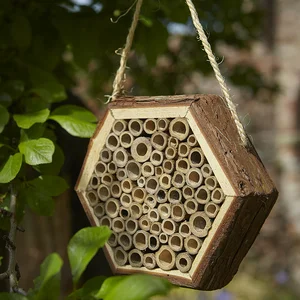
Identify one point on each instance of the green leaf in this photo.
(5, 99)
(133, 287)
(27, 120)
(4, 117)
(34, 132)
(11, 168)
(14, 88)
(83, 246)
(41, 93)
(9, 296)
(38, 151)
(21, 31)
(75, 120)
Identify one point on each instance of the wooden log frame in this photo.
(250, 193)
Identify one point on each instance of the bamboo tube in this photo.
(158, 171)
(100, 168)
(168, 166)
(112, 168)
(107, 179)
(164, 210)
(149, 261)
(156, 158)
(119, 126)
(138, 194)
(105, 221)
(121, 174)
(184, 262)
(112, 207)
(155, 228)
(147, 169)
(112, 141)
(152, 185)
(188, 192)
(144, 223)
(150, 201)
(191, 140)
(105, 155)
(136, 210)
(211, 209)
(202, 195)
(176, 242)
(153, 215)
(192, 244)
(103, 192)
(126, 139)
(150, 126)
(120, 157)
(174, 195)
(115, 189)
(161, 195)
(118, 225)
(163, 238)
(162, 124)
(94, 181)
(131, 226)
(173, 142)
(133, 169)
(178, 179)
(99, 210)
(179, 128)
(125, 240)
(165, 258)
(124, 213)
(217, 196)
(169, 226)
(141, 149)
(206, 170)
(194, 177)
(126, 200)
(183, 149)
(120, 256)
(178, 212)
(126, 185)
(141, 182)
(200, 224)
(182, 165)
(170, 152)
(113, 239)
(165, 181)
(146, 208)
(159, 140)
(190, 206)
(153, 242)
(196, 157)
(92, 197)
(135, 127)
(185, 229)
(211, 182)
(136, 258)
(140, 240)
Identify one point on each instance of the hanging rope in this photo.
(217, 71)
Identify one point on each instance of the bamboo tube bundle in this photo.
(145, 223)
(173, 142)
(183, 149)
(185, 229)
(126, 139)
(120, 157)
(155, 228)
(176, 242)
(139, 194)
(200, 224)
(164, 210)
(147, 169)
(168, 226)
(158, 171)
(162, 124)
(151, 185)
(135, 127)
(115, 189)
(179, 128)
(120, 256)
(206, 170)
(92, 197)
(168, 166)
(165, 258)
(211, 182)
(105, 155)
(192, 141)
(113, 240)
(141, 182)
(107, 179)
(100, 168)
(190, 206)
(178, 212)
(149, 261)
(156, 158)
(178, 179)
(125, 240)
(150, 126)
(151, 201)
(170, 152)
(105, 221)
(112, 168)
(153, 215)
(159, 140)
(196, 158)
(153, 242)
(141, 149)
(217, 196)
(103, 192)
(131, 226)
(163, 238)
(146, 208)
(119, 126)
(136, 258)
(126, 185)
(124, 213)
(174, 195)
(182, 165)
(165, 181)
(133, 170)
(121, 174)
(126, 200)
(161, 195)
(95, 182)
(202, 195)
(136, 210)
(194, 178)
(99, 210)
(184, 262)
(118, 225)
(140, 240)
(112, 142)
(188, 192)
(192, 244)
(211, 209)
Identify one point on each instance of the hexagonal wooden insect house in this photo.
(184, 199)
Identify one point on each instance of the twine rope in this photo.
(215, 66)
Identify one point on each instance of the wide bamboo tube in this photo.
(149, 261)
(92, 197)
(158, 171)
(178, 179)
(163, 238)
(156, 158)
(155, 228)
(103, 192)
(115, 189)
(120, 157)
(100, 168)
(136, 258)
(120, 256)
(112, 141)
(125, 240)
(105, 221)
(196, 157)
(131, 226)
(112, 168)
(217, 196)
(150, 126)
(184, 149)
(191, 140)
(170, 152)
(105, 155)
(185, 229)
(99, 210)
(136, 210)
(211, 209)
(140, 240)
(165, 181)
(124, 213)
(95, 181)
(125, 200)
(135, 127)
(141, 182)
(178, 212)
(192, 244)
(164, 210)
(146, 208)
(184, 262)
(121, 174)
(118, 225)
(176, 242)
(133, 169)
(151, 201)
(200, 224)
(190, 206)
(126, 185)
(161, 195)
(152, 185)
(211, 182)
(107, 179)
(202, 195)
(206, 170)
(112, 207)
(188, 192)
(141, 149)
(126, 139)
(174, 195)
(119, 126)
(194, 178)
(147, 169)
(113, 239)
(165, 258)
(179, 128)
(139, 194)
(145, 223)
(182, 165)
(173, 142)
(159, 140)
(153, 242)
(168, 166)
(169, 226)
